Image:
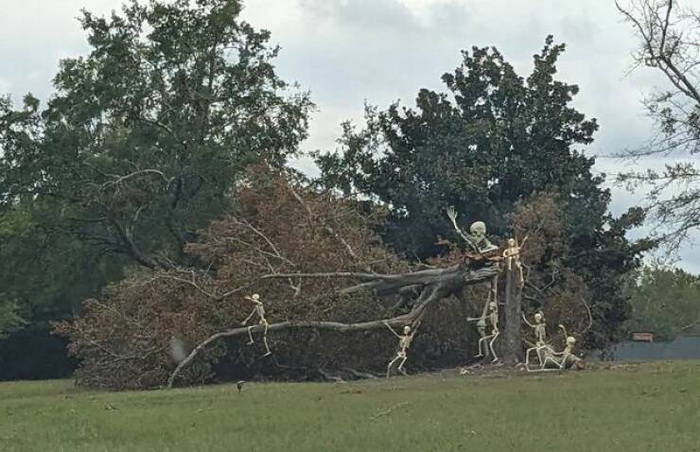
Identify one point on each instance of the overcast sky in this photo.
(348, 52)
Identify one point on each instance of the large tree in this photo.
(141, 145)
(320, 272)
(668, 35)
(493, 140)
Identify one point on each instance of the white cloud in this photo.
(351, 51)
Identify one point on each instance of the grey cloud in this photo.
(351, 51)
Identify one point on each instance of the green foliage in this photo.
(496, 139)
(575, 412)
(140, 146)
(146, 135)
(664, 301)
(499, 139)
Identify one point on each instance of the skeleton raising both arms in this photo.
(404, 343)
(511, 255)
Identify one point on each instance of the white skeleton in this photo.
(563, 359)
(489, 339)
(540, 339)
(511, 255)
(258, 309)
(404, 343)
(476, 238)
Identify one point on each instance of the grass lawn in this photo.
(646, 407)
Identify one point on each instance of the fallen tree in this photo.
(320, 321)
(432, 285)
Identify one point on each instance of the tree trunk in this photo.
(513, 349)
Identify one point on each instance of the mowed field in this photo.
(645, 407)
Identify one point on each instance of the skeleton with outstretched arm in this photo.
(405, 340)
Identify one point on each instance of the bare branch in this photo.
(331, 326)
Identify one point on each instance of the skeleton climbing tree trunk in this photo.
(513, 349)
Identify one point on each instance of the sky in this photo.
(351, 52)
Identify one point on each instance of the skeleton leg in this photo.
(494, 289)
(549, 359)
(480, 342)
(250, 335)
(265, 341)
(400, 368)
(391, 363)
(527, 358)
(495, 357)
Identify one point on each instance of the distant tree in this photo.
(140, 146)
(494, 140)
(665, 301)
(668, 36)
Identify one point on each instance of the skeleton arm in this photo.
(452, 214)
(528, 323)
(249, 317)
(472, 319)
(392, 330)
(564, 330)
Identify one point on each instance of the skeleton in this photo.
(258, 309)
(476, 239)
(481, 322)
(402, 351)
(488, 340)
(511, 255)
(540, 339)
(563, 359)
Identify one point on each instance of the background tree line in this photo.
(166, 147)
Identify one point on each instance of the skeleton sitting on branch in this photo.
(258, 309)
(476, 239)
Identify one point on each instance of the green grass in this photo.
(649, 407)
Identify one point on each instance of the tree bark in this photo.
(513, 310)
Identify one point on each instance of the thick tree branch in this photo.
(331, 326)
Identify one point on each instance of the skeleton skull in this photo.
(478, 228)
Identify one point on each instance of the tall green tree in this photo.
(139, 147)
(495, 138)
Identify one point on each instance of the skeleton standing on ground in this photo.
(258, 309)
(405, 340)
(489, 339)
(540, 339)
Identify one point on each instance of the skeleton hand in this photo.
(451, 213)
